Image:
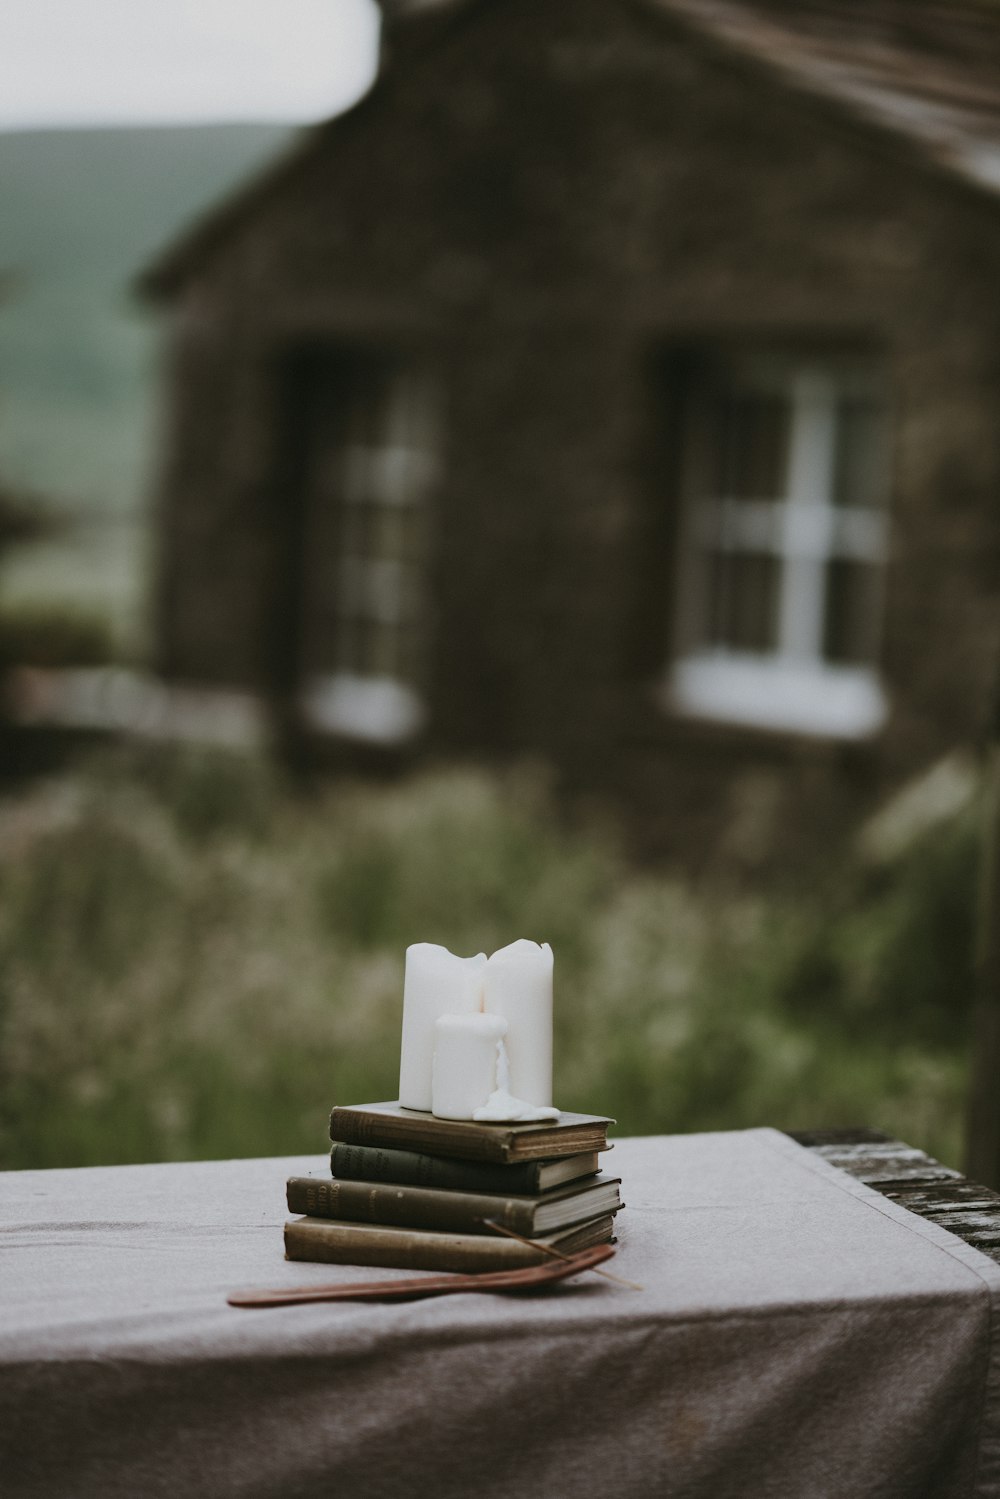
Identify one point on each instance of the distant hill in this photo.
(81, 212)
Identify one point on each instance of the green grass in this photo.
(194, 963)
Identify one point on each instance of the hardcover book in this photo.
(389, 1124)
(376, 1163)
(460, 1212)
(336, 1243)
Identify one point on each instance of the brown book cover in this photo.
(390, 1124)
(458, 1212)
(375, 1163)
(335, 1243)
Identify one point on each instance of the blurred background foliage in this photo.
(196, 962)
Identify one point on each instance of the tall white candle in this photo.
(436, 983)
(519, 988)
(465, 1063)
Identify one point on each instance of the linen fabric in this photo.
(796, 1337)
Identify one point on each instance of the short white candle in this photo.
(436, 983)
(465, 1063)
(519, 988)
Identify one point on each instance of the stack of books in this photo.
(409, 1190)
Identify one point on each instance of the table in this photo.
(799, 1335)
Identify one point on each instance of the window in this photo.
(374, 467)
(784, 476)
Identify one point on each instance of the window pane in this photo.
(409, 655)
(353, 531)
(414, 533)
(392, 472)
(350, 595)
(382, 653)
(388, 540)
(860, 469)
(355, 469)
(350, 646)
(744, 601)
(375, 436)
(753, 430)
(850, 629)
(411, 594)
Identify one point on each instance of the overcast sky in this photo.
(111, 62)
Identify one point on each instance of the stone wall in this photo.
(542, 202)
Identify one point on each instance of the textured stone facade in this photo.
(542, 199)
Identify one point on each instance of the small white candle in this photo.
(436, 983)
(465, 1063)
(519, 988)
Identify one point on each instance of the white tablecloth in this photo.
(797, 1337)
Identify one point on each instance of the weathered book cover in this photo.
(336, 1243)
(390, 1124)
(377, 1163)
(458, 1212)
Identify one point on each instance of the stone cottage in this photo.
(618, 383)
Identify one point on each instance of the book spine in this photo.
(354, 1128)
(411, 1207)
(373, 1163)
(356, 1244)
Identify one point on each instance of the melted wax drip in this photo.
(501, 1107)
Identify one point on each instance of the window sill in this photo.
(814, 701)
(371, 710)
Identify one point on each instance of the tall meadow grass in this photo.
(196, 963)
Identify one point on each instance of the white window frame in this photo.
(791, 687)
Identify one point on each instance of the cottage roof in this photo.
(928, 71)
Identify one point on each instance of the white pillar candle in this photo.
(436, 983)
(465, 1063)
(519, 988)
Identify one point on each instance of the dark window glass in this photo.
(349, 643)
(752, 437)
(859, 476)
(744, 601)
(384, 469)
(850, 628)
